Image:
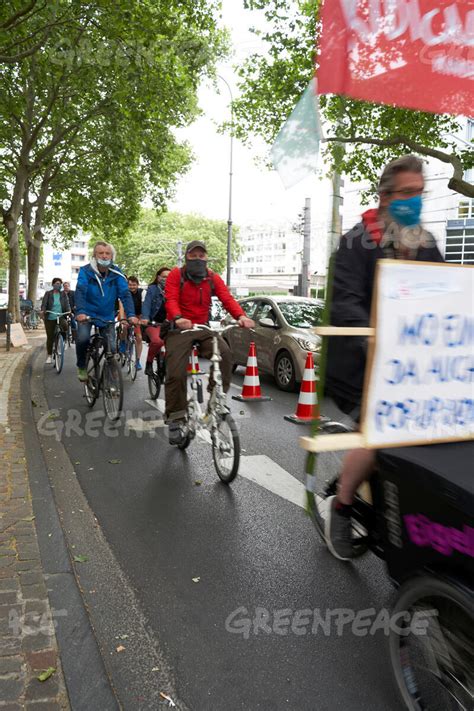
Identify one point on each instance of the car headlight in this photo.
(307, 345)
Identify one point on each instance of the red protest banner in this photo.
(418, 54)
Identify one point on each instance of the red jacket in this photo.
(193, 301)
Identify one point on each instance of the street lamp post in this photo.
(231, 174)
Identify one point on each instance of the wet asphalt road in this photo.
(257, 563)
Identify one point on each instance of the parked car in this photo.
(283, 336)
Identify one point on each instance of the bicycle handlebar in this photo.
(64, 313)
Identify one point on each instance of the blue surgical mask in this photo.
(104, 262)
(406, 212)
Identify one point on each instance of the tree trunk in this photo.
(10, 220)
(14, 274)
(33, 259)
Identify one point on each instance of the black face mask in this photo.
(196, 269)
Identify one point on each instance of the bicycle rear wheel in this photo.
(91, 387)
(433, 658)
(226, 449)
(112, 389)
(58, 351)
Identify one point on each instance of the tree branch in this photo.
(456, 183)
(21, 13)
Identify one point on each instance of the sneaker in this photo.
(48, 360)
(139, 366)
(82, 375)
(175, 433)
(149, 369)
(338, 532)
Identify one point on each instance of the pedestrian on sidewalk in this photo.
(55, 301)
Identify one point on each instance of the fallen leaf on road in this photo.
(197, 482)
(34, 403)
(155, 668)
(167, 698)
(90, 469)
(196, 580)
(122, 636)
(80, 559)
(76, 462)
(28, 518)
(120, 648)
(46, 674)
(115, 461)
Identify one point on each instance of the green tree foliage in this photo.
(271, 85)
(153, 242)
(88, 119)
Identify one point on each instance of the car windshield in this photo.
(301, 315)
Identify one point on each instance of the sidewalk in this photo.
(27, 639)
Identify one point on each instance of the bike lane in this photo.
(246, 603)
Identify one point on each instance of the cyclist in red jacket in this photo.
(188, 295)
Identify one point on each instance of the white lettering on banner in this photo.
(396, 17)
(421, 385)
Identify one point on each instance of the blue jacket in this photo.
(96, 296)
(154, 303)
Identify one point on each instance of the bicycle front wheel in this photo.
(433, 654)
(112, 389)
(132, 361)
(91, 386)
(154, 382)
(58, 352)
(226, 449)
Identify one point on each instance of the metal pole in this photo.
(231, 174)
(305, 279)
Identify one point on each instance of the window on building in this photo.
(464, 209)
(460, 246)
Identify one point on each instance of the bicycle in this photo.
(129, 357)
(69, 336)
(416, 513)
(157, 378)
(216, 421)
(103, 373)
(58, 342)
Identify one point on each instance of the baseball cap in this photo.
(195, 243)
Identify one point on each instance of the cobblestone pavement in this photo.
(27, 638)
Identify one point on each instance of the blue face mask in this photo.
(104, 262)
(406, 212)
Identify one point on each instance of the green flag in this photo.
(296, 149)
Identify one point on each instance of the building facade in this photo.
(64, 263)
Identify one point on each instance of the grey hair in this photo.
(405, 164)
(101, 243)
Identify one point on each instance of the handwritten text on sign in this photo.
(421, 386)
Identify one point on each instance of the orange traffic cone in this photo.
(251, 388)
(193, 363)
(307, 409)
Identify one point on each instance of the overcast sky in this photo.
(258, 194)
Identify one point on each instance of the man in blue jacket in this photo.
(99, 285)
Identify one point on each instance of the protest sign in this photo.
(419, 384)
(418, 54)
(17, 335)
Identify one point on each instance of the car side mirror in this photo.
(268, 323)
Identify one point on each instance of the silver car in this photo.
(283, 336)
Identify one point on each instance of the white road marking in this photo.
(157, 404)
(139, 425)
(268, 474)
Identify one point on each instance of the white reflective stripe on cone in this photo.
(307, 398)
(309, 375)
(252, 362)
(251, 380)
